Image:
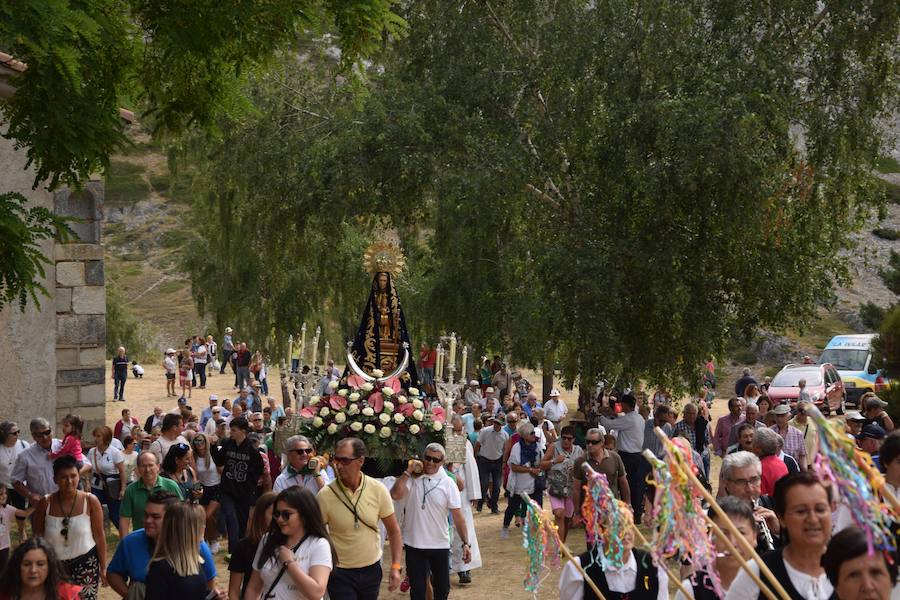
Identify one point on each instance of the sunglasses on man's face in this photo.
(303, 451)
(434, 459)
(345, 460)
(40, 434)
(594, 442)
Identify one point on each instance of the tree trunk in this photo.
(547, 378)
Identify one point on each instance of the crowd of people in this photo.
(183, 486)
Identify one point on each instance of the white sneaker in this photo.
(214, 547)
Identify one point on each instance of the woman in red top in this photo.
(765, 445)
(34, 573)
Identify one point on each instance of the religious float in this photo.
(377, 400)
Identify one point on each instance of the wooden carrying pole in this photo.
(589, 470)
(718, 531)
(565, 550)
(764, 569)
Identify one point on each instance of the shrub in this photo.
(871, 315)
(887, 233)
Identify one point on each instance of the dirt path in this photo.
(504, 567)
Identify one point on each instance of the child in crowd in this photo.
(137, 370)
(72, 426)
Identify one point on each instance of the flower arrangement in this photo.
(393, 423)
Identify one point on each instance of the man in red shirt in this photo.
(765, 445)
(427, 360)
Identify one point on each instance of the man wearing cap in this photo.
(794, 444)
(227, 352)
(213, 421)
(874, 413)
(854, 422)
(869, 440)
(242, 466)
(207, 413)
(630, 443)
(489, 394)
(555, 409)
(473, 394)
(170, 366)
(489, 453)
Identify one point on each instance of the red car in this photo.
(826, 390)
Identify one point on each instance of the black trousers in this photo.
(634, 472)
(419, 564)
(488, 471)
(357, 584)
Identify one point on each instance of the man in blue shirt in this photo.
(129, 564)
(206, 415)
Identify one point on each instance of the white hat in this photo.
(473, 382)
(228, 330)
(554, 393)
(490, 390)
(170, 350)
(214, 397)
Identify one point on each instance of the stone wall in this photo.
(81, 309)
(27, 339)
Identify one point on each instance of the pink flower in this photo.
(336, 402)
(355, 381)
(376, 401)
(437, 414)
(393, 383)
(405, 409)
(307, 413)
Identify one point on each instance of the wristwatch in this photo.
(466, 545)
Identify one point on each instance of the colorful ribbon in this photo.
(605, 521)
(541, 542)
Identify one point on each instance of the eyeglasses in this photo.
(16, 432)
(41, 434)
(594, 442)
(755, 480)
(346, 460)
(435, 459)
(282, 515)
(303, 451)
(256, 420)
(65, 529)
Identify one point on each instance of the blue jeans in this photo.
(111, 505)
(236, 515)
(264, 386)
(119, 387)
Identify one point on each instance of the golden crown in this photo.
(385, 256)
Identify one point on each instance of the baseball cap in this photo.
(781, 409)
(489, 390)
(213, 397)
(554, 393)
(182, 401)
(873, 431)
(855, 415)
(473, 382)
(876, 402)
(170, 350)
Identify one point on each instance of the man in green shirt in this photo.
(136, 494)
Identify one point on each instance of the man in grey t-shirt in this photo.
(489, 453)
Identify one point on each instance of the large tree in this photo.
(619, 184)
(180, 63)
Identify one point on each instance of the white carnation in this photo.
(437, 426)
(340, 417)
(399, 418)
(342, 393)
(387, 392)
(370, 429)
(385, 432)
(332, 429)
(354, 397)
(317, 422)
(355, 425)
(314, 399)
(368, 411)
(377, 373)
(417, 403)
(324, 412)
(333, 385)
(354, 409)
(402, 399)
(368, 387)
(389, 406)
(384, 418)
(413, 391)
(417, 415)
(414, 429)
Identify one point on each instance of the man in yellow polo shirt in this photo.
(352, 505)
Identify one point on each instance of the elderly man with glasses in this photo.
(352, 505)
(303, 468)
(429, 496)
(32, 475)
(741, 476)
(134, 501)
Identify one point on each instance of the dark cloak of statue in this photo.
(382, 332)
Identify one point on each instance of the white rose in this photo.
(413, 429)
(368, 411)
(389, 406)
(399, 418)
(342, 393)
(413, 391)
(324, 412)
(370, 429)
(340, 417)
(417, 415)
(317, 422)
(384, 418)
(332, 429)
(333, 385)
(387, 392)
(437, 426)
(354, 397)
(355, 425)
(354, 409)
(368, 387)
(377, 373)
(402, 399)
(314, 399)
(417, 403)
(385, 432)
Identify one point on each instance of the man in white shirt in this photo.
(629, 427)
(171, 435)
(429, 496)
(302, 469)
(555, 409)
(473, 394)
(32, 475)
(637, 577)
